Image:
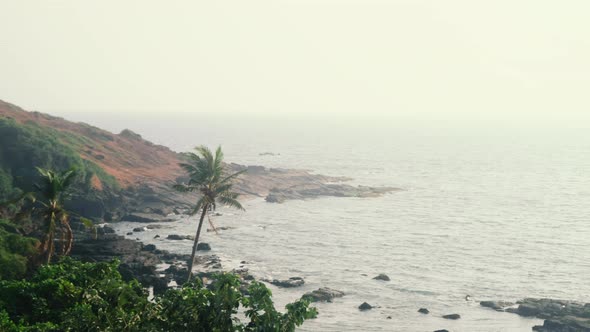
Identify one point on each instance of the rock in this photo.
(388, 317)
(323, 294)
(203, 246)
(496, 305)
(149, 247)
(157, 236)
(424, 311)
(383, 277)
(564, 324)
(288, 283)
(139, 229)
(129, 233)
(365, 306)
(452, 316)
(559, 315)
(145, 217)
(441, 331)
(180, 237)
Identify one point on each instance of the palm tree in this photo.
(207, 177)
(52, 190)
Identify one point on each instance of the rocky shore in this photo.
(559, 315)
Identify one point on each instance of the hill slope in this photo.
(122, 174)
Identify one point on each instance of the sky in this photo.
(505, 60)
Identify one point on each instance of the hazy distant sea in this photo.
(487, 212)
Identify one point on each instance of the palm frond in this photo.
(201, 203)
(231, 202)
(90, 225)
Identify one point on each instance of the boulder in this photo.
(382, 276)
(365, 306)
(288, 283)
(452, 316)
(139, 229)
(203, 246)
(424, 311)
(323, 294)
(149, 247)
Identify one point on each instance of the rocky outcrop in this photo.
(496, 305)
(146, 217)
(559, 315)
(288, 283)
(316, 190)
(323, 294)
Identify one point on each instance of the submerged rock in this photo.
(288, 283)
(452, 316)
(323, 294)
(382, 276)
(424, 311)
(365, 306)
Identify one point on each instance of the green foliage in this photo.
(14, 252)
(207, 177)
(75, 296)
(26, 146)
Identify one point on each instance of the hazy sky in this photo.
(498, 59)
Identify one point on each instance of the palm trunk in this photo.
(192, 261)
(69, 238)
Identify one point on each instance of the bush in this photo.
(14, 252)
(76, 296)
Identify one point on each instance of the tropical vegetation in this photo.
(208, 178)
(76, 296)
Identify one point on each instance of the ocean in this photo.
(496, 213)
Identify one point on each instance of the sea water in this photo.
(493, 213)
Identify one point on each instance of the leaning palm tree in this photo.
(207, 177)
(52, 191)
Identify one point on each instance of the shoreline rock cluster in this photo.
(558, 315)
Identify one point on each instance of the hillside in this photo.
(122, 174)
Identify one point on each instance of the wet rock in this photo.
(496, 305)
(424, 311)
(452, 316)
(559, 315)
(288, 283)
(388, 317)
(365, 306)
(149, 247)
(203, 246)
(180, 237)
(146, 217)
(383, 277)
(323, 294)
(139, 229)
(129, 233)
(564, 324)
(157, 236)
(441, 331)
